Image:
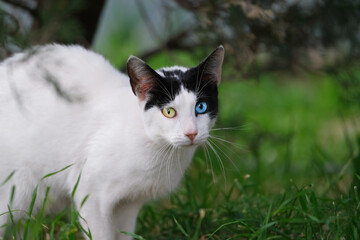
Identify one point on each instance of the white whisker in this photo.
(226, 141)
(224, 153)
(161, 154)
(198, 82)
(199, 92)
(208, 161)
(237, 128)
(219, 159)
(166, 91)
(177, 156)
(169, 163)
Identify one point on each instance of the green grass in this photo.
(284, 171)
(288, 175)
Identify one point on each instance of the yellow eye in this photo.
(169, 112)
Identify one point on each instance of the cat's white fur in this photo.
(123, 154)
(183, 69)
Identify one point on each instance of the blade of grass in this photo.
(84, 200)
(224, 225)
(11, 219)
(54, 222)
(314, 203)
(37, 228)
(56, 172)
(198, 225)
(133, 235)
(78, 224)
(266, 224)
(180, 228)
(259, 232)
(32, 204)
(8, 178)
(75, 187)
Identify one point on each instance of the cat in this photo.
(68, 118)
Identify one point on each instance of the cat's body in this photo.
(57, 113)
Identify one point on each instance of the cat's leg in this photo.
(95, 217)
(124, 218)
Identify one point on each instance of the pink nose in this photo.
(191, 135)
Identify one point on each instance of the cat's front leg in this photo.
(98, 219)
(124, 218)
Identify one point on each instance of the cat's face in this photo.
(180, 105)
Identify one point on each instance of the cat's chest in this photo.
(162, 164)
(141, 170)
(164, 171)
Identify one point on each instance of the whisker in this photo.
(162, 153)
(225, 154)
(225, 143)
(168, 163)
(171, 89)
(240, 147)
(166, 91)
(201, 89)
(219, 159)
(198, 79)
(208, 161)
(238, 128)
(178, 157)
(198, 82)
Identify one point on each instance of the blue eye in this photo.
(201, 107)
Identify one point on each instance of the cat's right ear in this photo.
(142, 77)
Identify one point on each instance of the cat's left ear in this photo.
(142, 77)
(210, 67)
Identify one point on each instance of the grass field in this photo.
(287, 170)
(286, 153)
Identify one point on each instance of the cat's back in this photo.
(53, 97)
(65, 69)
(55, 76)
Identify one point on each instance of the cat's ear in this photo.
(210, 67)
(142, 77)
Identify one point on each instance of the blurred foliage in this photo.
(9, 28)
(61, 21)
(293, 33)
(349, 85)
(258, 35)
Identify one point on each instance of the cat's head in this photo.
(179, 104)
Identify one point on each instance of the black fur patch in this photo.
(167, 87)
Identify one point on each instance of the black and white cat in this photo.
(130, 138)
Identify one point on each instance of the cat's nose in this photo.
(191, 135)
